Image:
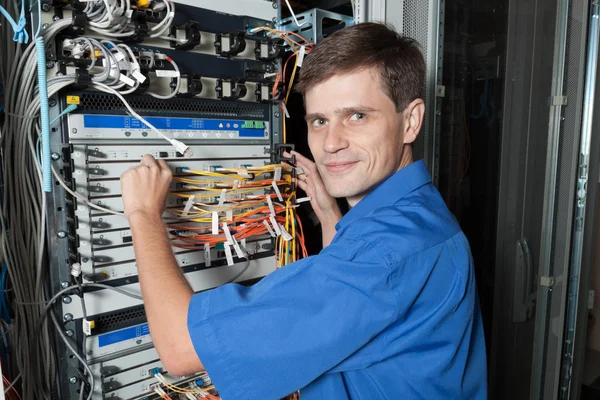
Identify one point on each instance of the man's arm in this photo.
(165, 290)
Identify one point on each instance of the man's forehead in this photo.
(346, 91)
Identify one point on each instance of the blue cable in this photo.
(69, 109)
(44, 113)
(21, 35)
(39, 28)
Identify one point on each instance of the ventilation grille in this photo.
(92, 102)
(415, 24)
(565, 197)
(120, 319)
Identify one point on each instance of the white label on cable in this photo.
(207, 255)
(285, 110)
(244, 175)
(303, 200)
(235, 184)
(238, 249)
(277, 174)
(301, 55)
(138, 76)
(171, 14)
(229, 214)
(270, 203)
(277, 192)
(188, 205)
(286, 236)
(269, 228)
(222, 197)
(127, 80)
(228, 253)
(167, 73)
(215, 223)
(244, 242)
(118, 56)
(227, 233)
(275, 225)
(128, 13)
(87, 327)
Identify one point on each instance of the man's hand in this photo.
(324, 205)
(145, 187)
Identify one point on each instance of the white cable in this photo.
(294, 15)
(89, 203)
(179, 146)
(177, 87)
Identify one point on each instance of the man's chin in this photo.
(340, 191)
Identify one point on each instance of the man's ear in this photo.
(413, 120)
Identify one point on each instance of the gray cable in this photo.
(75, 353)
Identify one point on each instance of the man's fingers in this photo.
(300, 158)
(163, 164)
(148, 161)
(304, 163)
(302, 185)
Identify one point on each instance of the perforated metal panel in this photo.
(416, 25)
(95, 102)
(565, 197)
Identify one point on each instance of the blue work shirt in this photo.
(388, 310)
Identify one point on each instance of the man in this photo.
(388, 309)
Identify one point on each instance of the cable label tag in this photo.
(188, 205)
(277, 192)
(277, 174)
(222, 197)
(215, 223)
(229, 214)
(275, 225)
(303, 200)
(235, 184)
(286, 236)
(207, 255)
(301, 55)
(228, 254)
(87, 327)
(118, 56)
(244, 243)
(128, 13)
(167, 73)
(269, 228)
(238, 249)
(127, 80)
(227, 233)
(270, 204)
(138, 75)
(285, 110)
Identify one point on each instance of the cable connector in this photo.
(181, 148)
(76, 270)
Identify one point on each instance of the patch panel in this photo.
(125, 267)
(105, 301)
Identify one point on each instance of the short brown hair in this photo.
(398, 59)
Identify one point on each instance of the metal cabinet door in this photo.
(524, 139)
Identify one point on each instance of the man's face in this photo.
(354, 132)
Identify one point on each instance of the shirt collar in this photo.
(389, 191)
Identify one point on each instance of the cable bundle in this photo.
(112, 18)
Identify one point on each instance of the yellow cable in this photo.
(291, 81)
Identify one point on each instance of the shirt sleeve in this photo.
(271, 339)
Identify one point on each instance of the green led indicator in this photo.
(253, 125)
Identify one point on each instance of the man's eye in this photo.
(319, 122)
(357, 117)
